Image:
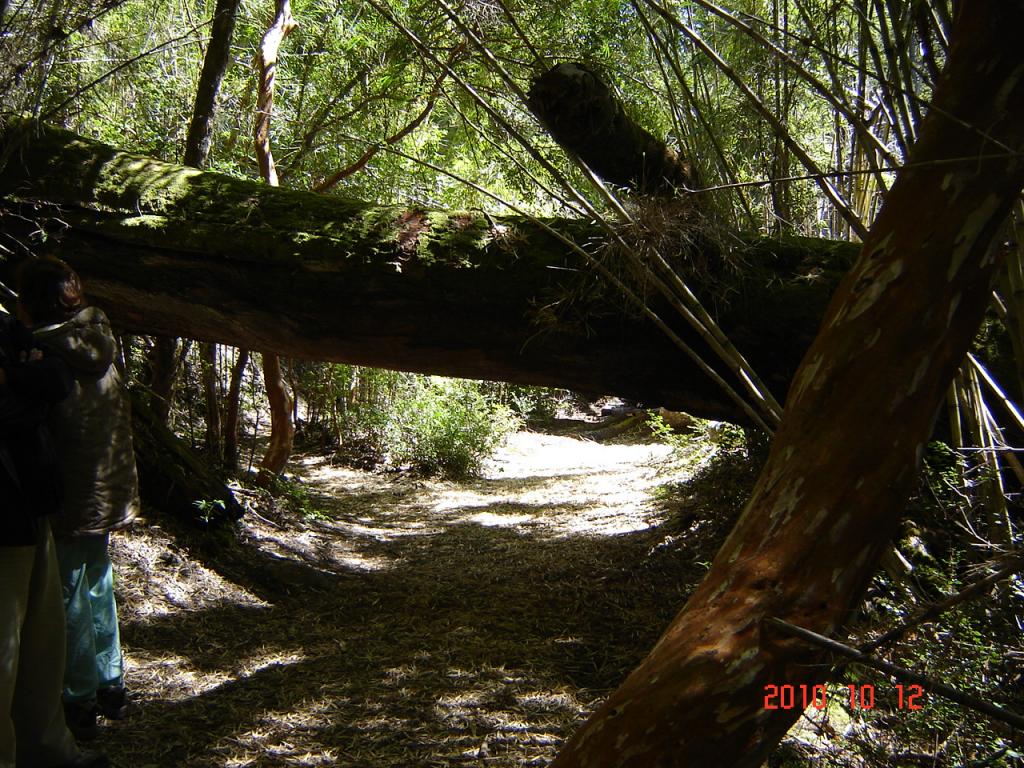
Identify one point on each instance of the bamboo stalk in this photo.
(781, 131)
(994, 490)
(709, 132)
(816, 84)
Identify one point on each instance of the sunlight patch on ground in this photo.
(541, 484)
(322, 550)
(169, 677)
(490, 519)
(163, 581)
(578, 487)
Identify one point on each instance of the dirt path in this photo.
(414, 622)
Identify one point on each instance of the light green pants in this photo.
(94, 643)
(32, 729)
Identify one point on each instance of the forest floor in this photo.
(388, 620)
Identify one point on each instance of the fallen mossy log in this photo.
(171, 250)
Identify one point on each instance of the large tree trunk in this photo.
(171, 250)
(844, 458)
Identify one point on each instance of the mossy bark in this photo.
(172, 250)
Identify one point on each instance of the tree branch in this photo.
(900, 673)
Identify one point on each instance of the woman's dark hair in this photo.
(50, 290)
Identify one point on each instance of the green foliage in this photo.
(448, 427)
(208, 509)
(377, 417)
(537, 405)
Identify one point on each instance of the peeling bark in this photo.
(844, 458)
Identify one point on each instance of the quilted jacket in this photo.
(92, 429)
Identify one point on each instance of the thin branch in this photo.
(900, 673)
(107, 75)
(1011, 565)
(393, 139)
(539, 61)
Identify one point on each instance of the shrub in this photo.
(448, 427)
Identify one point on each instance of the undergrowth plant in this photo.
(449, 428)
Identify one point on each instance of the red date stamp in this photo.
(817, 696)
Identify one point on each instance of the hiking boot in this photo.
(112, 702)
(81, 719)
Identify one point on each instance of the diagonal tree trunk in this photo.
(843, 460)
(585, 118)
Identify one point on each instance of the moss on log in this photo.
(172, 250)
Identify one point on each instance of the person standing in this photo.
(33, 733)
(92, 430)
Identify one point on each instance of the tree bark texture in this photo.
(842, 463)
(266, 66)
(584, 116)
(170, 250)
(215, 65)
(282, 429)
(232, 410)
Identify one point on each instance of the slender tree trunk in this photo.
(211, 394)
(233, 410)
(861, 407)
(266, 68)
(282, 429)
(197, 151)
(163, 370)
(215, 65)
